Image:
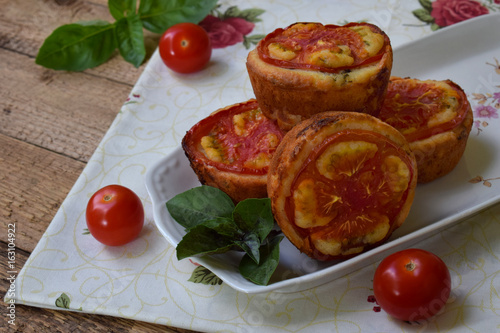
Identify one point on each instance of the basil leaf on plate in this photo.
(121, 8)
(254, 215)
(78, 46)
(250, 243)
(201, 240)
(131, 39)
(255, 218)
(158, 16)
(225, 227)
(215, 225)
(200, 204)
(269, 258)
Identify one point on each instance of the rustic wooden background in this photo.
(50, 124)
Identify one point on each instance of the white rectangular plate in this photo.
(466, 54)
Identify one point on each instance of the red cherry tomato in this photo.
(185, 48)
(115, 215)
(412, 284)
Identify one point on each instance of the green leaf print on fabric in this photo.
(204, 276)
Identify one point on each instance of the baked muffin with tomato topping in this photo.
(340, 183)
(232, 148)
(436, 119)
(308, 68)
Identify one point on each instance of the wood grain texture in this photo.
(50, 124)
(24, 25)
(64, 112)
(33, 184)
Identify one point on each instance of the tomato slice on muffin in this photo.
(436, 119)
(340, 183)
(232, 148)
(326, 48)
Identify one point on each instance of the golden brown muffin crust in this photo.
(292, 95)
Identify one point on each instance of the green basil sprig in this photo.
(215, 225)
(78, 46)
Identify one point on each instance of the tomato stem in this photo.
(107, 197)
(410, 266)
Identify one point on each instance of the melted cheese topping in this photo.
(278, 51)
(373, 42)
(448, 106)
(243, 122)
(396, 173)
(212, 149)
(339, 57)
(345, 158)
(306, 206)
(335, 247)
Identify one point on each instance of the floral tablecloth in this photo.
(143, 280)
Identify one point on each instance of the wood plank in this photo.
(50, 124)
(24, 25)
(33, 184)
(31, 319)
(68, 113)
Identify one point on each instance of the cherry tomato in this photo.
(185, 48)
(412, 284)
(115, 215)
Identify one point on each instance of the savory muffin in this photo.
(341, 183)
(436, 119)
(308, 68)
(232, 148)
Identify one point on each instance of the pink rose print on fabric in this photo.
(227, 32)
(443, 13)
(231, 27)
(448, 12)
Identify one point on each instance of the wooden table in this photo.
(50, 124)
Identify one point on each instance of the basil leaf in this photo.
(254, 215)
(131, 39)
(250, 244)
(200, 204)
(201, 240)
(215, 225)
(121, 8)
(224, 226)
(78, 46)
(158, 16)
(269, 258)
